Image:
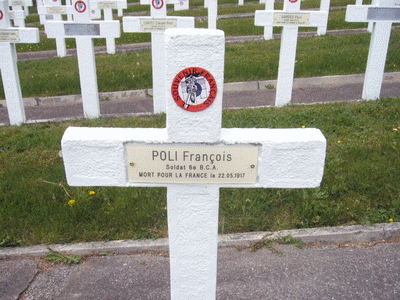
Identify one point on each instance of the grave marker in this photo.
(83, 29)
(212, 6)
(291, 18)
(9, 36)
(157, 23)
(193, 157)
(381, 15)
(107, 7)
(19, 11)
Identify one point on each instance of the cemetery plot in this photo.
(382, 14)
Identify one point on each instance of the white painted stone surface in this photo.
(286, 158)
(287, 56)
(379, 44)
(212, 6)
(324, 6)
(8, 64)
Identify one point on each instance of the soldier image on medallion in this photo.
(193, 88)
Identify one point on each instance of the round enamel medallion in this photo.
(157, 4)
(194, 89)
(80, 6)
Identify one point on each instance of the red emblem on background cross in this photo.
(80, 6)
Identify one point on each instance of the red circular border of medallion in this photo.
(1, 15)
(292, 1)
(193, 71)
(153, 3)
(83, 9)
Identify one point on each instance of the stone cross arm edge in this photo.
(287, 158)
(266, 17)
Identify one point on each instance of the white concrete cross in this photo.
(157, 23)
(291, 18)
(212, 6)
(324, 6)
(9, 36)
(382, 14)
(107, 6)
(194, 157)
(83, 29)
(19, 11)
(53, 10)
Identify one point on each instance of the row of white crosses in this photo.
(193, 157)
(83, 29)
(9, 36)
(380, 15)
(291, 18)
(157, 23)
(53, 10)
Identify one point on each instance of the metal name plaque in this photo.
(155, 163)
(383, 14)
(291, 19)
(17, 3)
(82, 29)
(150, 25)
(107, 5)
(9, 35)
(56, 10)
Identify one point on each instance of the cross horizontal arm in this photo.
(269, 18)
(288, 158)
(367, 13)
(16, 14)
(149, 24)
(20, 35)
(116, 4)
(21, 3)
(48, 10)
(58, 29)
(148, 2)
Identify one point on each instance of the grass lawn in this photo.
(361, 183)
(317, 56)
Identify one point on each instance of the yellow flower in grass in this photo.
(92, 193)
(391, 220)
(71, 202)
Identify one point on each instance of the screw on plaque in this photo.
(252, 166)
(132, 164)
